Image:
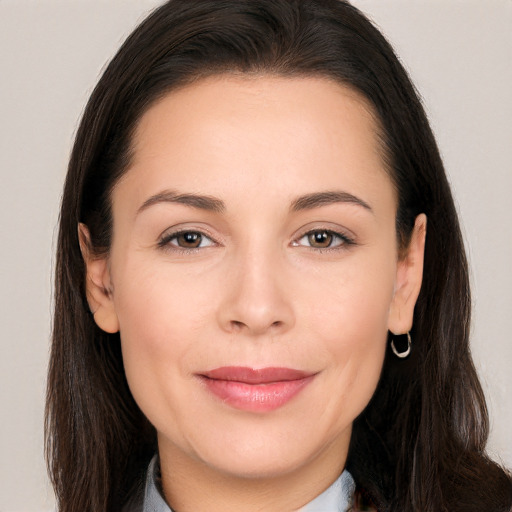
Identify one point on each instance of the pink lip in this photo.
(259, 390)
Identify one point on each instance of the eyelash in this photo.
(165, 241)
(341, 240)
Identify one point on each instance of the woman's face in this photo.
(253, 272)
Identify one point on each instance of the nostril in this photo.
(237, 325)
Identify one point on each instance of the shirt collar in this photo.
(337, 498)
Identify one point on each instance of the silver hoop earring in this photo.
(405, 353)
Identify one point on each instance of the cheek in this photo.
(352, 305)
(159, 307)
(349, 320)
(160, 319)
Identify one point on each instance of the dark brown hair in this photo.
(419, 445)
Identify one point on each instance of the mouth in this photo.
(255, 390)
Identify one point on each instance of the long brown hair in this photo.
(419, 445)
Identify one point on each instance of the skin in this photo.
(257, 291)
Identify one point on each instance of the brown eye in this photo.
(320, 239)
(189, 240)
(324, 239)
(183, 240)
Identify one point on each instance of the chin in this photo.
(258, 467)
(259, 453)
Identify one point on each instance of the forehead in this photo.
(256, 130)
(260, 99)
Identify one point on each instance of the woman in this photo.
(261, 291)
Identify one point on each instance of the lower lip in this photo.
(256, 397)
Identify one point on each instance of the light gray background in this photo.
(459, 53)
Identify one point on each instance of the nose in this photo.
(256, 299)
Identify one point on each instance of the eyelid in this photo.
(346, 236)
(172, 232)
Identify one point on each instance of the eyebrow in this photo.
(315, 200)
(201, 202)
(208, 203)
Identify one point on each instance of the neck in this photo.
(190, 485)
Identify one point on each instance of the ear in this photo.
(98, 286)
(408, 280)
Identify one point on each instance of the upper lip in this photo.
(255, 376)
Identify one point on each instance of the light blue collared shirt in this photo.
(337, 498)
